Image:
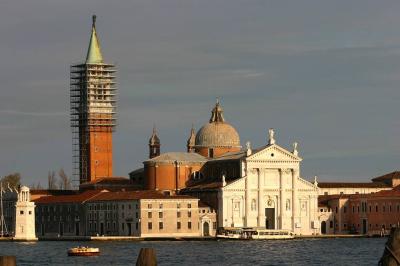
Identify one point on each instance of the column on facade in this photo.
(294, 198)
(247, 201)
(177, 173)
(281, 198)
(155, 177)
(221, 210)
(260, 182)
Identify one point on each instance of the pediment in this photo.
(274, 153)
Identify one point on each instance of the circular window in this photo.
(272, 155)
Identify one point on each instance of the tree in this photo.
(51, 179)
(13, 180)
(36, 186)
(65, 181)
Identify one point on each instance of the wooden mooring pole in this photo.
(147, 257)
(8, 261)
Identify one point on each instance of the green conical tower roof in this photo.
(94, 55)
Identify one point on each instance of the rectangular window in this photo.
(214, 225)
(150, 226)
(189, 214)
(161, 206)
(149, 206)
(344, 209)
(160, 215)
(178, 214)
(21, 212)
(189, 205)
(376, 208)
(189, 225)
(149, 215)
(160, 225)
(178, 205)
(178, 225)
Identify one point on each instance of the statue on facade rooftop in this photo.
(271, 133)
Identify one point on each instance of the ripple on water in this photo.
(337, 251)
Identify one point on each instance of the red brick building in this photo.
(369, 213)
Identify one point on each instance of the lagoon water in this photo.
(336, 251)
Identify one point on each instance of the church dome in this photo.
(217, 133)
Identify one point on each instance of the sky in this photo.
(322, 73)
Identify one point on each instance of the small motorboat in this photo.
(83, 251)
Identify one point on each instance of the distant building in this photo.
(129, 213)
(336, 188)
(366, 211)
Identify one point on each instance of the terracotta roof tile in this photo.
(389, 176)
(395, 192)
(104, 195)
(178, 156)
(68, 198)
(135, 195)
(352, 185)
(108, 180)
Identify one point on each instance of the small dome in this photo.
(217, 133)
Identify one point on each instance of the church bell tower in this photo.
(154, 144)
(93, 109)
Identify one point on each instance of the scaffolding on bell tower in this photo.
(92, 109)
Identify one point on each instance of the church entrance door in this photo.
(364, 226)
(206, 229)
(77, 228)
(61, 229)
(323, 227)
(270, 218)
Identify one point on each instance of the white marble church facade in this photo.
(270, 194)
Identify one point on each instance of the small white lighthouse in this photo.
(24, 216)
